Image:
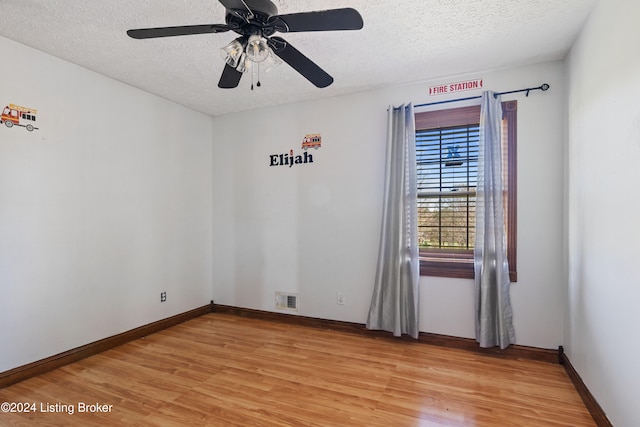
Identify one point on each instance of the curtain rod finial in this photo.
(544, 87)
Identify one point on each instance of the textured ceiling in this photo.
(402, 41)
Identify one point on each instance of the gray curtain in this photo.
(394, 305)
(494, 326)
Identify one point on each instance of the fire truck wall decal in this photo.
(312, 140)
(19, 116)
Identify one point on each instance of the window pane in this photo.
(447, 177)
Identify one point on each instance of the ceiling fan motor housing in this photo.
(256, 21)
(265, 7)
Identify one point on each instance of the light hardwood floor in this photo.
(227, 370)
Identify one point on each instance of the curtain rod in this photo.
(543, 87)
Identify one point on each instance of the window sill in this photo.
(453, 268)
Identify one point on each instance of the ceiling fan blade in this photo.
(151, 33)
(230, 77)
(299, 62)
(322, 20)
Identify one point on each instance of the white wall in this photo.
(603, 174)
(314, 229)
(104, 207)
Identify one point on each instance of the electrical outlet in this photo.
(163, 296)
(340, 298)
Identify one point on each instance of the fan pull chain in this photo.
(253, 72)
(258, 84)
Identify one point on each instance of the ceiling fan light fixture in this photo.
(271, 62)
(244, 64)
(257, 49)
(232, 53)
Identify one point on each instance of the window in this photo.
(447, 167)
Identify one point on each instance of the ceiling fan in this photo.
(256, 21)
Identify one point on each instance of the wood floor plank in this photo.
(226, 370)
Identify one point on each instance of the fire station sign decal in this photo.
(455, 87)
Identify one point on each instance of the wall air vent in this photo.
(286, 301)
